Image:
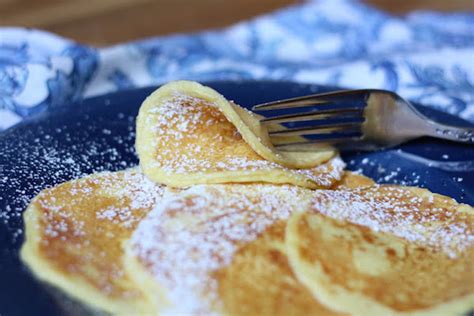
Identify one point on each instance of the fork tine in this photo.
(321, 129)
(319, 143)
(314, 115)
(309, 100)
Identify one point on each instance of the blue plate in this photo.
(97, 134)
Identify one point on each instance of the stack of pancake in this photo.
(216, 221)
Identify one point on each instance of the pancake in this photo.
(190, 134)
(352, 180)
(261, 269)
(260, 281)
(190, 255)
(74, 233)
(385, 250)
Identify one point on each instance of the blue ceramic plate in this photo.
(97, 135)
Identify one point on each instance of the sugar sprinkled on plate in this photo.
(48, 156)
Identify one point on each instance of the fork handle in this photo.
(458, 134)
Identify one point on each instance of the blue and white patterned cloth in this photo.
(425, 56)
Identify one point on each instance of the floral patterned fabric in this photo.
(427, 57)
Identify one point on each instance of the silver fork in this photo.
(384, 120)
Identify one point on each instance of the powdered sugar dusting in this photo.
(417, 216)
(193, 136)
(198, 231)
(41, 156)
(81, 225)
(129, 191)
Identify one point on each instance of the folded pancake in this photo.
(74, 233)
(219, 249)
(385, 250)
(190, 134)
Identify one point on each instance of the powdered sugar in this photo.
(38, 157)
(197, 231)
(419, 217)
(185, 143)
(129, 190)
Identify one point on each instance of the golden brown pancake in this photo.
(183, 253)
(260, 281)
(189, 134)
(74, 233)
(261, 269)
(352, 180)
(385, 250)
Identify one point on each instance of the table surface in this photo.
(105, 22)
